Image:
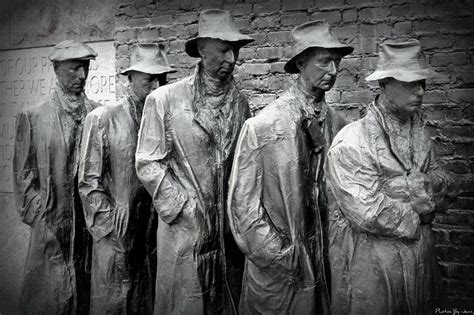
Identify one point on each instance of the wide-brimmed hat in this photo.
(401, 60)
(148, 58)
(217, 24)
(72, 50)
(314, 34)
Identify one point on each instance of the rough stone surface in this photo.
(46, 22)
(445, 31)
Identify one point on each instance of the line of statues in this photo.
(177, 201)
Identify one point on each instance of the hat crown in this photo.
(150, 54)
(402, 60)
(400, 54)
(311, 35)
(72, 50)
(148, 58)
(215, 22)
(314, 34)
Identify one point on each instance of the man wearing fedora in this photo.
(45, 166)
(117, 207)
(387, 185)
(186, 144)
(276, 187)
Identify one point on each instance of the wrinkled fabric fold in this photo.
(382, 255)
(45, 164)
(183, 158)
(122, 278)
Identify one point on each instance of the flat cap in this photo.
(72, 50)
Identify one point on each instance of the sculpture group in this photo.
(178, 201)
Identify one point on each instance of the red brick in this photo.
(272, 53)
(349, 15)
(166, 19)
(346, 32)
(363, 97)
(403, 28)
(263, 22)
(294, 19)
(267, 7)
(371, 14)
(256, 68)
(460, 95)
(186, 18)
(332, 17)
(279, 37)
(239, 9)
(277, 67)
(375, 30)
(290, 5)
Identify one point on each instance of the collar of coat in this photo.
(309, 106)
(221, 122)
(133, 107)
(77, 107)
(408, 156)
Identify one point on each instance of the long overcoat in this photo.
(122, 277)
(186, 171)
(274, 204)
(56, 278)
(382, 257)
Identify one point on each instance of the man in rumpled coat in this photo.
(185, 148)
(117, 207)
(45, 166)
(387, 185)
(276, 186)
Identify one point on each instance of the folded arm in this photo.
(356, 184)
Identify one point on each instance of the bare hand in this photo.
(121, 221)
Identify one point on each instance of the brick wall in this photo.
(445, 30)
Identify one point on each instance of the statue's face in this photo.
(404, 98)
(218, 57)
(143, 84)
(72, 75)
(319, 68)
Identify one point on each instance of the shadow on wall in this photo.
(14, 238)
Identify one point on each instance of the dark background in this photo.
(444, 28)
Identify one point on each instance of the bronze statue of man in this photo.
(387, 186)
(276, 185)
(186, 143)
(117, 207)
(45, 165)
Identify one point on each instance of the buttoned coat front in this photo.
(46, 161)
(274, 206)
(186, 172)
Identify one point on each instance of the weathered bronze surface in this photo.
(186, 143)
(117, 208)
(45, 167)
(277, 184)
(386, 186)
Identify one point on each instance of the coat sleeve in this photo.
(356, 184)
(98, 203)
(444, 188)
(154, 150)
(27, 193)
(249, 221)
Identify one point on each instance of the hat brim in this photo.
(402, 75)
(149, 70)
(290, 66)
(240, 39)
